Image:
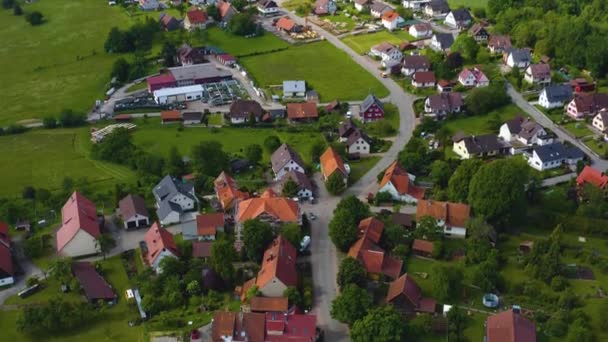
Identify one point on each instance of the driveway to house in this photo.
(27, 267)
(542, 119)
(324, 256)
(548, 182)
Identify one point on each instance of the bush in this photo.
(35, 18)
(558, 283)
(49, 122)
(17, 10)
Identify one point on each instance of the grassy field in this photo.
(479, 124)
(240, 46)
(360, 167)
(362, 43)
(599, 147)
(43, 158)
(41, 74)
(468, 3)
(578, 129)
(326, 69)
(156, 138)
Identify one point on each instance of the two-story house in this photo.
(415, 63)
(555, 96)
(389, 54)
(286, 159)
(538, 74)
(452, 217)
(173, 197)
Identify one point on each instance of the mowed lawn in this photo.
(43, 158)
(156, 138)
(326, 69)
(479, 124)
(41, 70)
(362, 43)
(468, 3)
(240, 46)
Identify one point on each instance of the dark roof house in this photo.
(242, 109)
(95, 287)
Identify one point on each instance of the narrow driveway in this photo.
(542, 119)
(558, 180)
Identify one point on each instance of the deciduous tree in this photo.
(351, 304)
(256, 237)
(351, 271)
(382, 324)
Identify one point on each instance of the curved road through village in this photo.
(324, 256)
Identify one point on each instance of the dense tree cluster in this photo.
(256, 237)
(343, 225)
(243, 24)
(138, 37)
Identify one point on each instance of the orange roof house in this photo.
(168, 116)
(278, 271)
(285, 24)
(269, 208)
(589, 175)
(399, 184)
(452, 216)
(423, 248)
(371, 228)
(406, 296)
(374, 259)
(207, 225)
(227, 191)
(332, 162)
(159, 244)
(269, 304)
(79, 227)
(510, 326)
(302, 111)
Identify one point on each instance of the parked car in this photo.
(305, 243)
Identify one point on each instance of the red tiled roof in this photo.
(294, 328)
(400, 179)
(223, 325)
(160, 79)
(266, 304)
(6, 260)
(408, 287)
(330, 162)
(4, 237)
(201, 249)
(132, 205)
(281, 208)
(371, 228)
(424, 77)
(170, 115)
(453, 214)
(279, 262)
(157, 240)
(224, 8)
(304, 110)
(196, 16)
(508, 326)
(427, 305)
(285, 23)
(94, 285)
(592, 176)
(390, 16)
(374, 259)
(423, 246)
(122, 117)
(78, 213)
(207, 224)
(227, 191)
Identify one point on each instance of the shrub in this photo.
(34, 18)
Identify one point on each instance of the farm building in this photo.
(179, 94)
(187, 75)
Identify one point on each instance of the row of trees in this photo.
(67, 118)
(138, 37)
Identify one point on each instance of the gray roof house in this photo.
(554, 155)
(442, 41)
(520, 58)
(306, 188)
(555, 96)
(285, 159)
(294, 88)
(173, 197)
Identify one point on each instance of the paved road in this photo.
(542, 119)
(28, 268)
(324, 254)
(558, 180)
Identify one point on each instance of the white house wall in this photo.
(81, 244)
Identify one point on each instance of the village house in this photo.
(187, 55)
(371, 109)
(517, 58)
(286, 159)
(600, 120)
(94, 286)
(479, 33)
(421, 30)
(370, 228)
(581, 85)
(168, 22)
(499, 44)
(423, 248)
(488, 145)
(586, 104)
(192, 118)
(7, 270)
(375, 260)
(196, 19)
(444, 86)
(158, 244)
(389, 54)
(378, 9)
(442, 42)
(204, 228)
(174, 198)
(524, 131)
(358, 143)
(325, 7)
(392, 20)
(260, 304)
(287, 25)
(302, 111)
(554, 96)
(227, 192)
(473, 77)
(305, 187)
(413, 64)
(538, 74)
(345, 129)
(80, 227)
(133, 212)
(361, 5)
(278, 270)
(149, 5)
(415, 4)
(423, 79)
(550, 156)
(405, 295)
(294, 89)
(400, 185)
(509, 325)
(268, 208)
(202, 250)
(226, 59)
(226, 10)
(452, 217)
(268, 7)
(440, 105)
(255, 326)
(592, 176)
(437, 9)
(241, 111)
(331, 162)
(460, 18)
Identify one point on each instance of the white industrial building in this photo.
(179, 94)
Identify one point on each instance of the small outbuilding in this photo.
(133, 212)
